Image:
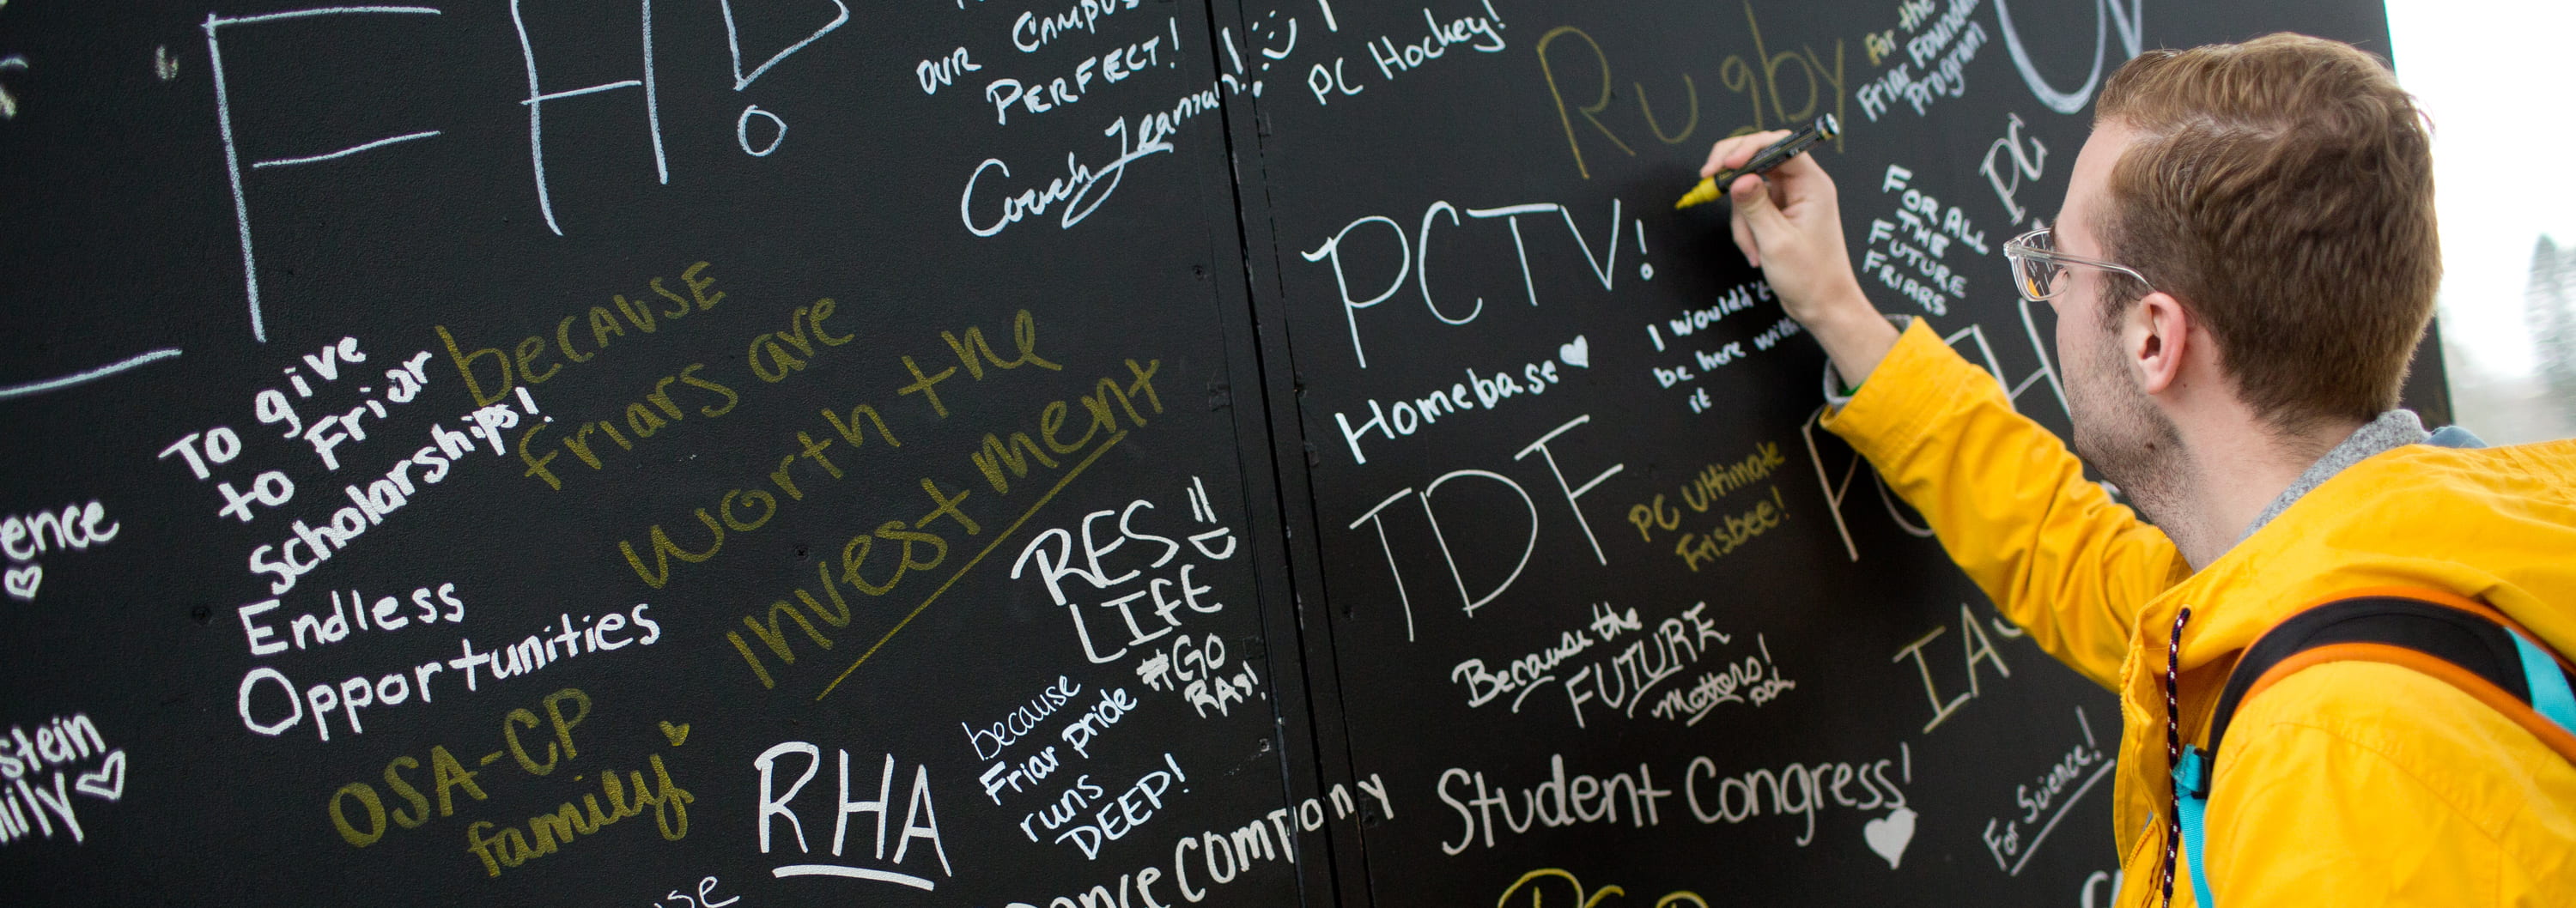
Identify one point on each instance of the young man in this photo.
(2244, 262)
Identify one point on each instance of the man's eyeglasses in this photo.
(2037, 265)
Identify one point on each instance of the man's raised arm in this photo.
(2009, 502)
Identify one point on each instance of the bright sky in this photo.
(2492, 73)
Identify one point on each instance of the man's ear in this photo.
(2158, 329)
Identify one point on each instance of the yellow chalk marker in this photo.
(1773, 155)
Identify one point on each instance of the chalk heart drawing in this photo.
(109, 781)
(1889, 835)
(21, 581)
(1576, 353)
(676, 733)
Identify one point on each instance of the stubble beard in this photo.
(2122, 434)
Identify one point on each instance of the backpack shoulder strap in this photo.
(2458, 641)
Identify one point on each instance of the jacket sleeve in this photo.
(2009, 503)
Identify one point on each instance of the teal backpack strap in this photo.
(2191, 804)
(2504, 657)
(2550, 696)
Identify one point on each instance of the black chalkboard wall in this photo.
(1084, 453)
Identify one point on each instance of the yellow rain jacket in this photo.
(2348, 784)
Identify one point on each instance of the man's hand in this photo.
(1791, 227)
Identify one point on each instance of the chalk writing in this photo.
(35, 803)
(233, 169)
(1702, 490)
(1624, 682)
(770, 356)
(1482, 34)
(1804, 790)
(2131, 24)
(313, 629)
(1736, 299)
(1041, 96)
(1976, 647)
(1754, 680)
(1083, 188)
(920, 818)
(1479, 391)
(1197, 670)
(1627, 679)
(1527, 674)
(1941, 51)
(745, 510)
(2047, 794)
(1919, 238)
(604, 325)
(668, 802)
(1228, 854)
(57, 383)
(1731, 532)
(914, 546)
(1537, 883)
(202, 452)
(1192, 667)
(1022, 720)
(555, 642)
(1469, 602)
(379, 498)
(23, 537)
(706, 897)
(1708, 353)
(1413, 258)
(550, 645)
(1557, 802)
(1759, 79)
(359, 812)
(940, 72)
(1032, 31)
(2026, 160)
(9, 102)
(1121, 814)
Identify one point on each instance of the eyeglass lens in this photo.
(2037, 274)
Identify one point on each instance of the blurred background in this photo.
(2501, 141)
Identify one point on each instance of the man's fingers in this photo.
(1744, 239)
(1733, 151)
(1717, 157)
(1753, 207)
(1749, 145)
(1800, 179)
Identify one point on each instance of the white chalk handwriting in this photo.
(920, 819)
(2052, 793)
(1228, 854)
(24, 537)
(1480, 391)
(1470, 602)
(34, 802)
